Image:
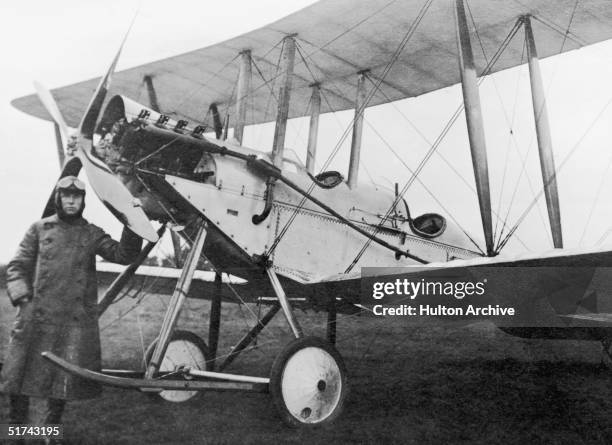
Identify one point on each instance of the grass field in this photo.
(424, 383)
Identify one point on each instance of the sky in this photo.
(65, 41)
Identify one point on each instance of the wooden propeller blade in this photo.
(109, 188)
(50, 105)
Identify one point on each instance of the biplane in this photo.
(289, 235)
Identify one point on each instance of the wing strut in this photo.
(284, 95)
(217, 124)
(153, 102)
(313, 129)
(473, 115)
(360, 103)
(278, 145)
(242, 93)
(547, 160)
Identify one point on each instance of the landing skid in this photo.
(147, 384)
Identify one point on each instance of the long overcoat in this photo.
(55, 268)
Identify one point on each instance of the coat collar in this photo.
(57, 220)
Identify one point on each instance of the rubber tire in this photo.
(276, 376)
(187, 336)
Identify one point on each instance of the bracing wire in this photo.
(508, 121)
(340, 35)
(421, 182)
(503, 182)
(403, 43)
(434, 147)
(599, 190)
(558, 169)
(399, 158)
(565, 34)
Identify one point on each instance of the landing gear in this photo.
(185, 350)
(308, 382)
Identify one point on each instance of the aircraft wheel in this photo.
(308, 382)
(185, 349)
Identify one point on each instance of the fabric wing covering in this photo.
(338, 39)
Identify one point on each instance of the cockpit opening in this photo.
(428, 225)
(328, 179)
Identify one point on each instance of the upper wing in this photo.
(337, 39)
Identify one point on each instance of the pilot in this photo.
(52, 281)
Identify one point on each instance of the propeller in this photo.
(50, 105)
(61, 128)
(111, 191)
(71, 165)
(88, 123)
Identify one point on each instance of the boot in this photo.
(54, 408)
(52, 415)
(18, 414)
(18, 411)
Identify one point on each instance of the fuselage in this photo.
(180, 176)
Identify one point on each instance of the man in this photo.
(52, 281)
